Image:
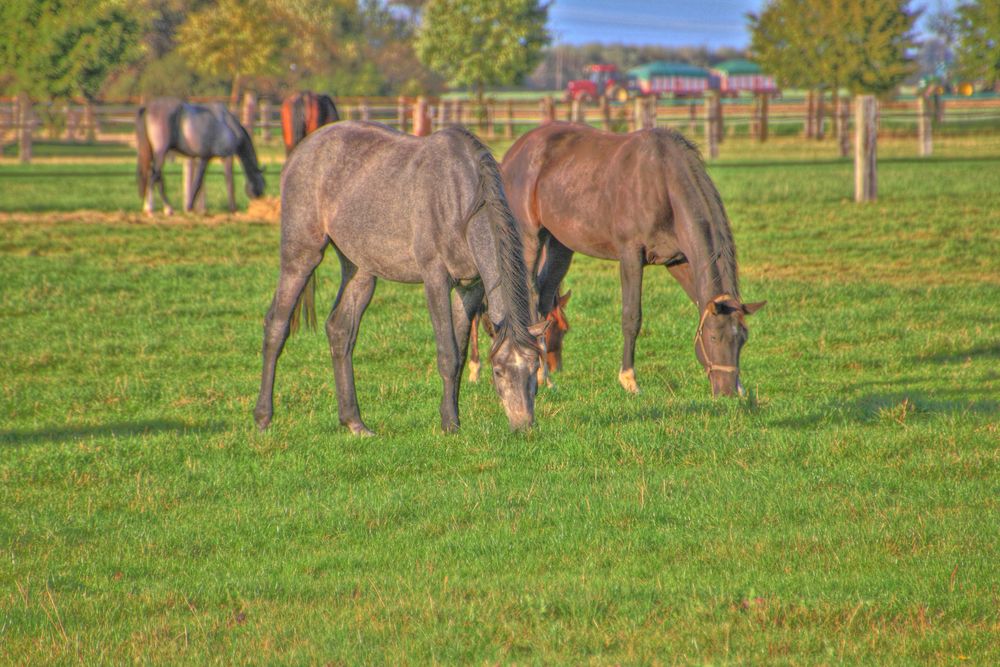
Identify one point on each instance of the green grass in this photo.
(847, 513)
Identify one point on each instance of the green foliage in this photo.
(861, 44)
(59, 49)
(479, 43)
(232, 39)
(979, 40)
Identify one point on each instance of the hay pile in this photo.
(265, 208)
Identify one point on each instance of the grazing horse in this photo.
(558, 326)
(304, 113)
(641, 198)
(425, 210)
(200, 132)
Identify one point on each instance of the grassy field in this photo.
(847, 512)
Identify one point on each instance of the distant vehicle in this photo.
(601, 80)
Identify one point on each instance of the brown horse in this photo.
(558, 326)
(641, 198)
(305, 112)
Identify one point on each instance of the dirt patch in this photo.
(265, 209)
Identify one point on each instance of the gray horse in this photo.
(200, 132)
(414, 210)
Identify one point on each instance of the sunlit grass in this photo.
(847, 512)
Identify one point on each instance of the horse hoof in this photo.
(474, 372)
(262, 423)
(449, 427)
(362, 431)
(627, 380)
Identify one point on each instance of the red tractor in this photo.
(601, 80)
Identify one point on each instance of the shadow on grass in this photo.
(64, 434)
(897, 406)
(985, 351)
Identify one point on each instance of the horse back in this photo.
(389, 201)
(595, 191)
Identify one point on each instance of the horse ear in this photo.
(538, 329)
(564, 299)
(751, 308)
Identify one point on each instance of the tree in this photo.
(63, 49)
(861, 44)
(479, 43)
(232, 38)
(979, 40)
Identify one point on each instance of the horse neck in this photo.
(705, 239)
(247, 155)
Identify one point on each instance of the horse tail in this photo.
(145, 160)
(305, 306)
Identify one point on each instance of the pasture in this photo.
(846, 512)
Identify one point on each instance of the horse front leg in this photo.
(466, 309)
(227, 168)
(550, 275)
(195, 185)
(630, 267)
(474, 363)
(296, 267)
(356, 290)
(437, 287)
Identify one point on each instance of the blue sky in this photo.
(711, 23)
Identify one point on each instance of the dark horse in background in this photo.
(304, 113)
(410, 209)
(638, 199)
(200, 132)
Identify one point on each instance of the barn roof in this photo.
(664, 68)
(737, 67)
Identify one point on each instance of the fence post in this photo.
(508, 129)
(548, 110)
(720, 129)
(844, 129)
(25, 121)
(264, 122)
(421, 121)
(808, 131)
(90, 122)
(765, 103)
(605, 113)
(924, 126)
(692, 119)
(865, 154)
(401, 113)
(249, 111)
(820, 115)
(711, 136)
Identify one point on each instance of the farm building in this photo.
(735, 76)
(668, 78)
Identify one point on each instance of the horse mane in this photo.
(704, 203)
(510, 254)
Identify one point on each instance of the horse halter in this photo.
(700, 341)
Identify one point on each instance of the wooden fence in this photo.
(710, 119)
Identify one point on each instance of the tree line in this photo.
(113, 49)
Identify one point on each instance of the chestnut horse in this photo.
(638, 199)
(303, 113)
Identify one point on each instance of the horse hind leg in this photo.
(296, 269)
(227, 168)
(356, 290)
(157, 178)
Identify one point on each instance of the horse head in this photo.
(721, 333)
(559, 325)
(515, 360)
(255, 183)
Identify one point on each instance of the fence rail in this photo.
(710, 117)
